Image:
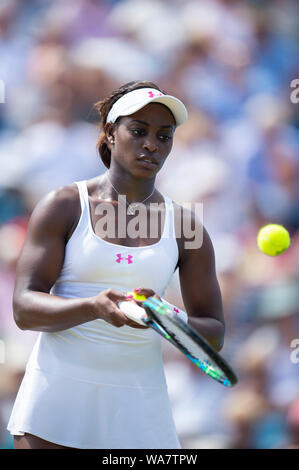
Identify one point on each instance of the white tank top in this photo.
(90, 266)
(110, 378)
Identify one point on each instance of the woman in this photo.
(95, 379)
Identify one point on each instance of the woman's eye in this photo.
(165, 137)
(137, 131)
(141, 132)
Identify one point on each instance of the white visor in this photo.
(137, 99)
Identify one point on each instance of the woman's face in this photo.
(143, 140)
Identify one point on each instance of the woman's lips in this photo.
(147, 162)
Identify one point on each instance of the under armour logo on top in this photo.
(152, 94)
(120, 258)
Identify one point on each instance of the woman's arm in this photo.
(200, 289)
(39, 266)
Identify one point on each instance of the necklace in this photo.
(132, 205)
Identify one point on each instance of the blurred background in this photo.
(232, 63)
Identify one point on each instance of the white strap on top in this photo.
(83, 195)
(168, 230)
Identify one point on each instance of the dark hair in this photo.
(103, 107)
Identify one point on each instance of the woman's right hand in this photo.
(105, 307)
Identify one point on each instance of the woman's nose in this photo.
(150, 145)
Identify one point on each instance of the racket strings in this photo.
(175, 330)
(194, 352)
(187, 343)
(188, 346)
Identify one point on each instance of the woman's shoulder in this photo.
(191, 232)
(188, 212)
(63, 197)
(58, 208)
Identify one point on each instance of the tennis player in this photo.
(95, 379)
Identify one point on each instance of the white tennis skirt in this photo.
(126, 409)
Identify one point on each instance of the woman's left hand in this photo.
(147, 293)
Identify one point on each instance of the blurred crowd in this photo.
(231, 62)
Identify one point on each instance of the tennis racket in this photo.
(158, 316)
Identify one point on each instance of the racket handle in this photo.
(179, 312)
(133, 311)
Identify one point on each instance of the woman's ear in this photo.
(109, 132)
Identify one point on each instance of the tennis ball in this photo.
(136, 296)
(273, 239)
(139, 296)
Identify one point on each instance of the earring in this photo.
(111, 140)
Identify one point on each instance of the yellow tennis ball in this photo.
(139, 296)
(136, 296)
(273, 239)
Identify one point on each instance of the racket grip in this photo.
(180, 313)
